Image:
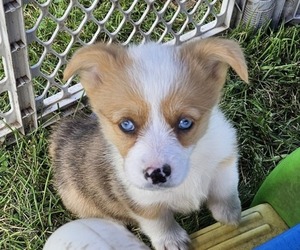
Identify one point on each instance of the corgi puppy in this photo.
(159, 145)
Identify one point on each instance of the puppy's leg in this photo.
(164, 232)
(223, 200)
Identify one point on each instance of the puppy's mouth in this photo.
(159, 186)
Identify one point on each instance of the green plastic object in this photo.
(281, 189)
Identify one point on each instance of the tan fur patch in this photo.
(112, 113)
(200, 89)
(84, 207)
(150, 212)
(78, 203)
(112, 94)
(186, 104)
(112, 131)
(227, 161)
(214, 55)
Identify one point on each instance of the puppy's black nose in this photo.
(158, 175)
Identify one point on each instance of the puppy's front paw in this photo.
(227, 212)
(175, 239)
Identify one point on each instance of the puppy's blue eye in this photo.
(127, 126)
(185, 124)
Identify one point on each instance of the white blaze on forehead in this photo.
(156, 70)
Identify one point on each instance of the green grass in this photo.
(265, 112)
(29, 208)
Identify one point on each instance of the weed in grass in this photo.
(4, 102)
(2, 72)
(4, 97)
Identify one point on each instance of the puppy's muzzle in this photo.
(158, 175)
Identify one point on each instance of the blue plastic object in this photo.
(288, 240)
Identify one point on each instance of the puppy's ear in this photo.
(94, 62)
(214, 55)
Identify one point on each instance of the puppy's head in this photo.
(154, 101)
